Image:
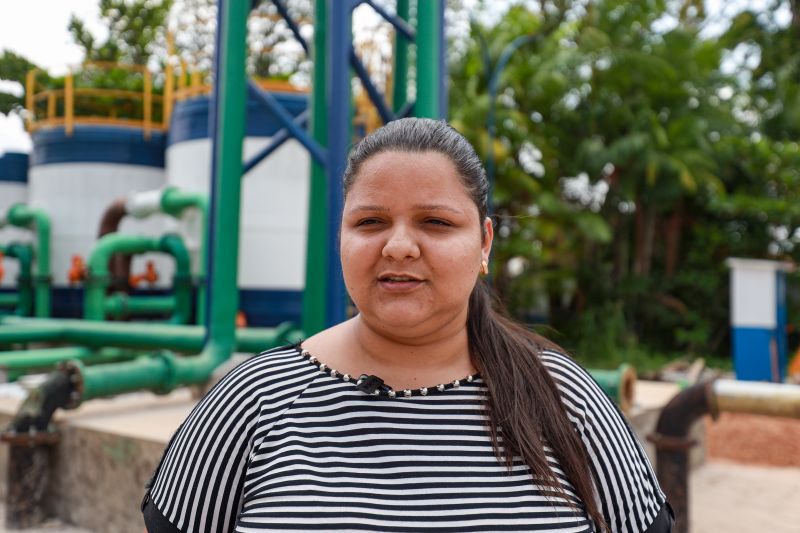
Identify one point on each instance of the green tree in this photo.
(136, 31)
(631, 163)
(14, 68)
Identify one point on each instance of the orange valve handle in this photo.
(150, 275)
(77, 270)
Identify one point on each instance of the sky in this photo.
(37, 29)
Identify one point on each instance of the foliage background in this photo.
(636, 151)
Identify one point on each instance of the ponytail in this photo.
(524, 406)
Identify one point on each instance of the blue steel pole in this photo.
(338, 100)
(212, 203)
(494, 78)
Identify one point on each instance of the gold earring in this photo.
(484, 267)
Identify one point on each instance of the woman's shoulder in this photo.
(567, 372)
(580, 393)
(273, 370)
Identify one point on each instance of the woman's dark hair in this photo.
(523, 406)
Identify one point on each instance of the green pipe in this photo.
(28, 333)
(428, 70)
(100, 277)
(400, 73)
(173, 202)
(15, 364)
(314, 293)
(14, 371)
(23, 252)
(145, 336)
(618, 384)
(123, 305)
(164, 370)
(9, 299)
(23, 216)
(42, 358)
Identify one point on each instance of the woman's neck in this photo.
(355, 348)
(418, 361)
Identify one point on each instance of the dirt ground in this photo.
(754, 440)
(751, 480)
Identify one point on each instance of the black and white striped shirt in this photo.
(280, 444)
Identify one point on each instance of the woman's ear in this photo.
(488, 237)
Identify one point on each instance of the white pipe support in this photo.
(144, 204)
(753, 397)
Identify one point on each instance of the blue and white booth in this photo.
(274, 206)
(758, 318)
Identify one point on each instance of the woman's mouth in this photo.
(399, 283)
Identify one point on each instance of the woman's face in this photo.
(411, 244)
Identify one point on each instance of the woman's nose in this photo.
(401, 244)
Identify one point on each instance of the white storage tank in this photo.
(13, 190)
(274, 208)
(75, 177)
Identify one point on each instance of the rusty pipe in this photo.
(120, 264)
(713, 397)
(672, 442)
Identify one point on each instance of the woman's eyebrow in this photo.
(437, 207)
(368, 207)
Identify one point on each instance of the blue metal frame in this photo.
(403, 27)
(284, 12)
(276, 142)
(377, 98)
(339, 33)
(288, 121)
(493, 75)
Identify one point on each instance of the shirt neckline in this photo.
(384, 390)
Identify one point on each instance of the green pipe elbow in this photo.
(174, 201)
(99, 275)
(23, 216)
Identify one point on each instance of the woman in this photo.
(428, 410)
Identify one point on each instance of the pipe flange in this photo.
(31, 438)
(671, 443)
(74, 370)
(170, 381)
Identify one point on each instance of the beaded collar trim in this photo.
(380, 389)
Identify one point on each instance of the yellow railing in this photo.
(49, 107)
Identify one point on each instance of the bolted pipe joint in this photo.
(31, 438)
(157, 372)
